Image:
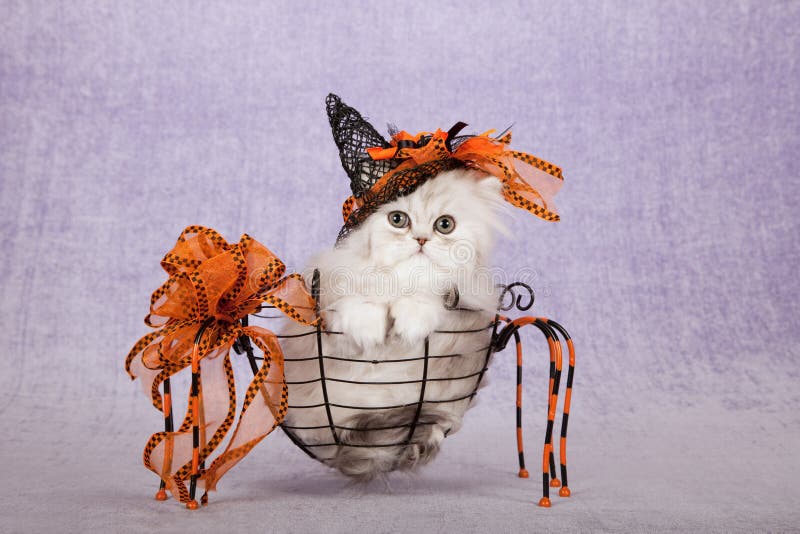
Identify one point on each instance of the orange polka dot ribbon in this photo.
(528, 182)
(212, 285)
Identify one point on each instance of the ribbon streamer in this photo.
(197, 313)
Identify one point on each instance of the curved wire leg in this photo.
(565, 491)
(552, 402)
(161, 494)
(523, 473)
(555, 357)
(196, 404)
(555, 382)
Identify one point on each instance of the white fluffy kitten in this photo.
(384, 289)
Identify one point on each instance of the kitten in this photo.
(384, 289)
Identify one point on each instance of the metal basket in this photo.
(517, 296)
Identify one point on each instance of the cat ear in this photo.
(353, 135)
(490, 187)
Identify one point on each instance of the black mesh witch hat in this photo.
(353, 135)
(380, 171)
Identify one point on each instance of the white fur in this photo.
(385, 293)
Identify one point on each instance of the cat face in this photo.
(446, 225)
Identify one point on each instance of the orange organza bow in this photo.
(212, 286)
(528, 182)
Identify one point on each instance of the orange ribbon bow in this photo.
(528, 182)
(212, 286)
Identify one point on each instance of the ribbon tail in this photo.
(257, 418)
(535, 183)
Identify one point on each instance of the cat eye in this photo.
(444, 224)
(398, 219)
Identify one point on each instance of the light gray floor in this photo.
(74, 466)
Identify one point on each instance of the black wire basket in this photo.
(516, 296)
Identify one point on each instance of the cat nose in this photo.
(421, 240)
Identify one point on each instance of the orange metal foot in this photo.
(555, 483)
(161, 495)
(191, 505)
(544, 502)
(523, 473)
(564, 492)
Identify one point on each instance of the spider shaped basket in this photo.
(517, 296)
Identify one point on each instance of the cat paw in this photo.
(364, 322)
(414, 319)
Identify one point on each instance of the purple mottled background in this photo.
(675, 265)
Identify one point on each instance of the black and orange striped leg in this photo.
(196, 417)
(555, 376)
(195, 400)
(161, 495)
(565, 491)
(555, 384)
(552, 401)
(523, 473)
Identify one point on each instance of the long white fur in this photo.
(385, 293)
